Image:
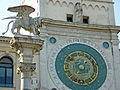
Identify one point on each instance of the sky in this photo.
(117, 11)
(4, 4)
(10, 3)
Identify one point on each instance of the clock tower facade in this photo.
(80, 50)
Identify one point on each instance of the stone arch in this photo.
(84, 5)
(90, 5)
(57, 2)
(53, 1)
(50, 1)
(70, 4)
(104, 8)
(7, 70)
(64, 3)
(97, 7)
(7, 54)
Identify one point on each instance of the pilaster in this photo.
(26, 47)
(116, 63)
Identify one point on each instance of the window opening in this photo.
(69, 18)
(85, 19)
(6, 72)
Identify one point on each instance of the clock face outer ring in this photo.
(60, 83)
(73, 81)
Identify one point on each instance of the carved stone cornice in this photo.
(4, 39)
(18, 43)
(92, 27)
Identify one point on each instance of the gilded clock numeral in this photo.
(70, 58)
(95, 69)
(80, 64)
(73, 78)
(68, 73)
(75, 54)
(94, 75)
(66, 66)
(95, 64)
(81, 82)
(80, 53)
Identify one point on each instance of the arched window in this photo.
(6, 72)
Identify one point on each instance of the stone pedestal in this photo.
(26, 47)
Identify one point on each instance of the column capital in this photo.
(115, 42)
(26, 67)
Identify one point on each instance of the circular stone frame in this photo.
(52, 40)
(92, 84)
(106, 45)
(60, 45)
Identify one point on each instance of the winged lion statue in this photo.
(23, 20)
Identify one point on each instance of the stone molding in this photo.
(92, 27)
(4, 39)
(73, 2)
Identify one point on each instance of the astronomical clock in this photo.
(78, 64)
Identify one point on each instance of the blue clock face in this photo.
(80, 67)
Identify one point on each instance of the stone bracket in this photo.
(18, 43)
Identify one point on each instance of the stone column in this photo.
(26, 47)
